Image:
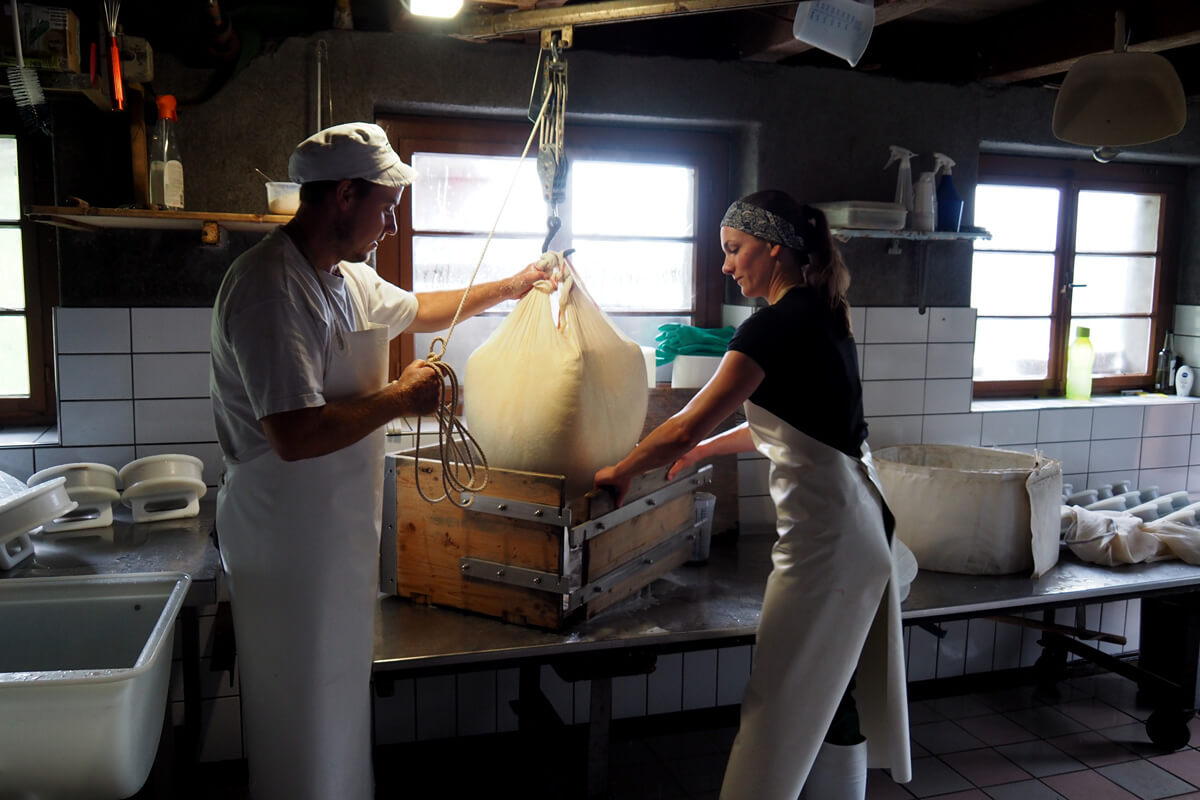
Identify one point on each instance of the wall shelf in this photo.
(54, 83)
(207, 222)
(918, 236)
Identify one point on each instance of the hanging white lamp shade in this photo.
(1119, 99)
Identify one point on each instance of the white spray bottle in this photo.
(924, 203)
(904, 182)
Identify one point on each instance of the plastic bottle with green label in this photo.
(1080, 356)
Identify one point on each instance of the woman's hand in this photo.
(618, 484)
(685, 462)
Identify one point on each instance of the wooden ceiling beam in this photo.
(772, 40)
(1053, 35)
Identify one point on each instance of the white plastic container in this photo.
(283, 197)
(864, 214)
(92, 486)
(840, 27)
(692, 372)
(83, 681)
(705, 507)
(974, 510)
(166, 486)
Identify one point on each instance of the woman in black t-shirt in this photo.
(830, 604)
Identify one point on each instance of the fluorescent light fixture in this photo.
(443, 9)
(1119, 99)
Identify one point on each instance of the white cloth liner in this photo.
(1115, 537)
(974, 510)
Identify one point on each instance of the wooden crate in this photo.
(525, 552)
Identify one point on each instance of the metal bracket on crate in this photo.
(516, 576)
(681, 538)
(560, 584)
(594, 527)
(518, 509)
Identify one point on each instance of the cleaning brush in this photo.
(27, 91)
(111, 9)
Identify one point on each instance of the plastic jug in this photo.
(924, 203)
(840, 27)
(1080, 356)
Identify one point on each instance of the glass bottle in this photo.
(1164, 365)
(166, 168)
(1080, 356)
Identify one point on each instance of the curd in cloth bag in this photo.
(562, 398)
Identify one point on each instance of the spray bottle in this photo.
(904, 183)
(924, 216)
(949, 204)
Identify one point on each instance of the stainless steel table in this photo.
(718, 604)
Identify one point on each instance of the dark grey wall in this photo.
(821, 133)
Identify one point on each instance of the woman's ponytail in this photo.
(826, 271)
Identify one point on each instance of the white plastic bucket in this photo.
(840, 27)
(705, 505)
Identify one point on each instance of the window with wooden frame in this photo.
(27, 286)
(642, 212)
(1074, 243)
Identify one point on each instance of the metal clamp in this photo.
(518, 509)
(594, 527)
(514, 576)
(679, 540)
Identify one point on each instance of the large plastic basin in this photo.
(84, 667)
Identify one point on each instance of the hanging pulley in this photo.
(547, 109)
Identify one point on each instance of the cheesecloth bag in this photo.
(563, 397)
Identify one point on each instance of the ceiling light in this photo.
(443, 9)
(1119, 99)
(840, 27)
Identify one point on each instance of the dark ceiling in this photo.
(1030, 42)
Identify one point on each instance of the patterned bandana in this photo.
(763, 224)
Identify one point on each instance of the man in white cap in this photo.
(301, 397)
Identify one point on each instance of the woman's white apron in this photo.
(831, 606)
(300, 546)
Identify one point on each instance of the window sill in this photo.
(29, 436)
(1103, 401)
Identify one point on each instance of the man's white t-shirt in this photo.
(273, 332)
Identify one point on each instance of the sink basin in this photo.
(84, 667)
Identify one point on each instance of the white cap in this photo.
(351, 150)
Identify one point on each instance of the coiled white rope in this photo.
(458, 453)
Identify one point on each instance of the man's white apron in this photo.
(300, 546)
(831, 605)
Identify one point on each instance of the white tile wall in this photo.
(171, 374)
(962, 429)
(170, 330)
(92, 330)
(950, 360)
(893, 361)
(1009, 427)
(951, 396)
(891, 325)
(1168, 420)
(952, 325)
(1064, 425)
(94, 377)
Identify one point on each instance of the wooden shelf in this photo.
(94, 219)
(53, 83)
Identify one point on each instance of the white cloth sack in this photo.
(973, 510)
(1115, 537)
(561, 398)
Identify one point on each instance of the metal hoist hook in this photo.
(550, 91)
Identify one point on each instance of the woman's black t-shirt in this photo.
(811, 367)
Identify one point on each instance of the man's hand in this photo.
(418, 390)
(520, 284)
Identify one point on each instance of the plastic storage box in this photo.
(84, 671)
(864, 214)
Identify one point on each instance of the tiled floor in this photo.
(1086, 741)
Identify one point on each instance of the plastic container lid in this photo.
(1082, 332)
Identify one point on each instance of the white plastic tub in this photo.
(973, 510)
(84, 666)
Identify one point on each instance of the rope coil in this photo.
(462, 458)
